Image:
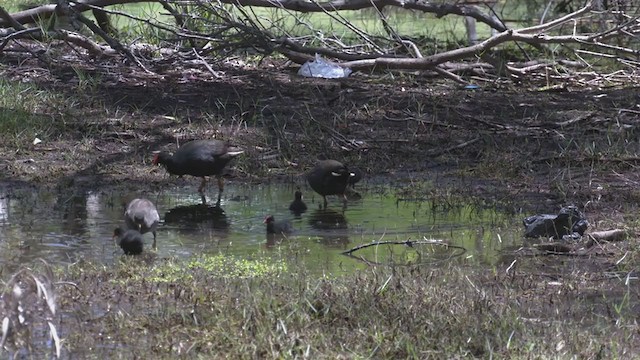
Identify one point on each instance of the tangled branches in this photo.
(580, 47)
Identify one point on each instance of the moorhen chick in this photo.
(280, 227)
(199, 158)
(298, 206)
(129, 240)
(142, 215)
(330, 177)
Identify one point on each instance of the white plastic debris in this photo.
(323, 69)
(36, 141)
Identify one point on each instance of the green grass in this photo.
(27, 111)
(420, 312)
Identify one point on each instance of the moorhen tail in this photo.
(329, 177)
(280, 227)
(356, 175)
(142, 215)
(199, 158)
(129, 240)
(298, 206)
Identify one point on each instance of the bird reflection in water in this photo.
(326, 219)
(274, 240)
(330, 227)
(189, 215)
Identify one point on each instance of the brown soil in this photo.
(509, 144)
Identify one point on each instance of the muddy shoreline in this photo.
(531, 149)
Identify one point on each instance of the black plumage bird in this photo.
(330, 177)
(356, 176)
(199, 158)
(298, 206)
(279, 227)
(129, 240)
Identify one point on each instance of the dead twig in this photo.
(409, 243)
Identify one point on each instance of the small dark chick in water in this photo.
(129, 240)
(280, 227)
(297, 205)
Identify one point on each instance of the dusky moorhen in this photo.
(329, 177)
(298, 206)
(142, 215)
(129, 240)
(355, 177)
(199, 158)
(279, 227)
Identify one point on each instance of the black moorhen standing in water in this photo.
(329, 177)
(280, 227)
(199, 158)
(142, 215)
(297, 205)
(129, 240)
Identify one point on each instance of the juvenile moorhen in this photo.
(142, 215)
(199, 158)
(330, 177)
(298, 206)
(280, 227)
(129, 240)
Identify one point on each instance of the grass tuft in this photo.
(219, 307)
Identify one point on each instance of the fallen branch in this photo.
(455, 147)
(409, 243)
(6, 17)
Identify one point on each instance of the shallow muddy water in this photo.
(66, 227)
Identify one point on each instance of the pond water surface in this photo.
(65, 227)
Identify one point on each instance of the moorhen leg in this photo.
(201, 190)
(202, 185)
(220, 189)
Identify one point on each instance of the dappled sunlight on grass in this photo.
(173, 270)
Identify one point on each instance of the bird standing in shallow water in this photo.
(142, 215)
(330, 177)
(298, 206)
(200, 158)
(129, 240)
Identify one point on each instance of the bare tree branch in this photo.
(214, 29)
(440, 9)
(6, 17)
